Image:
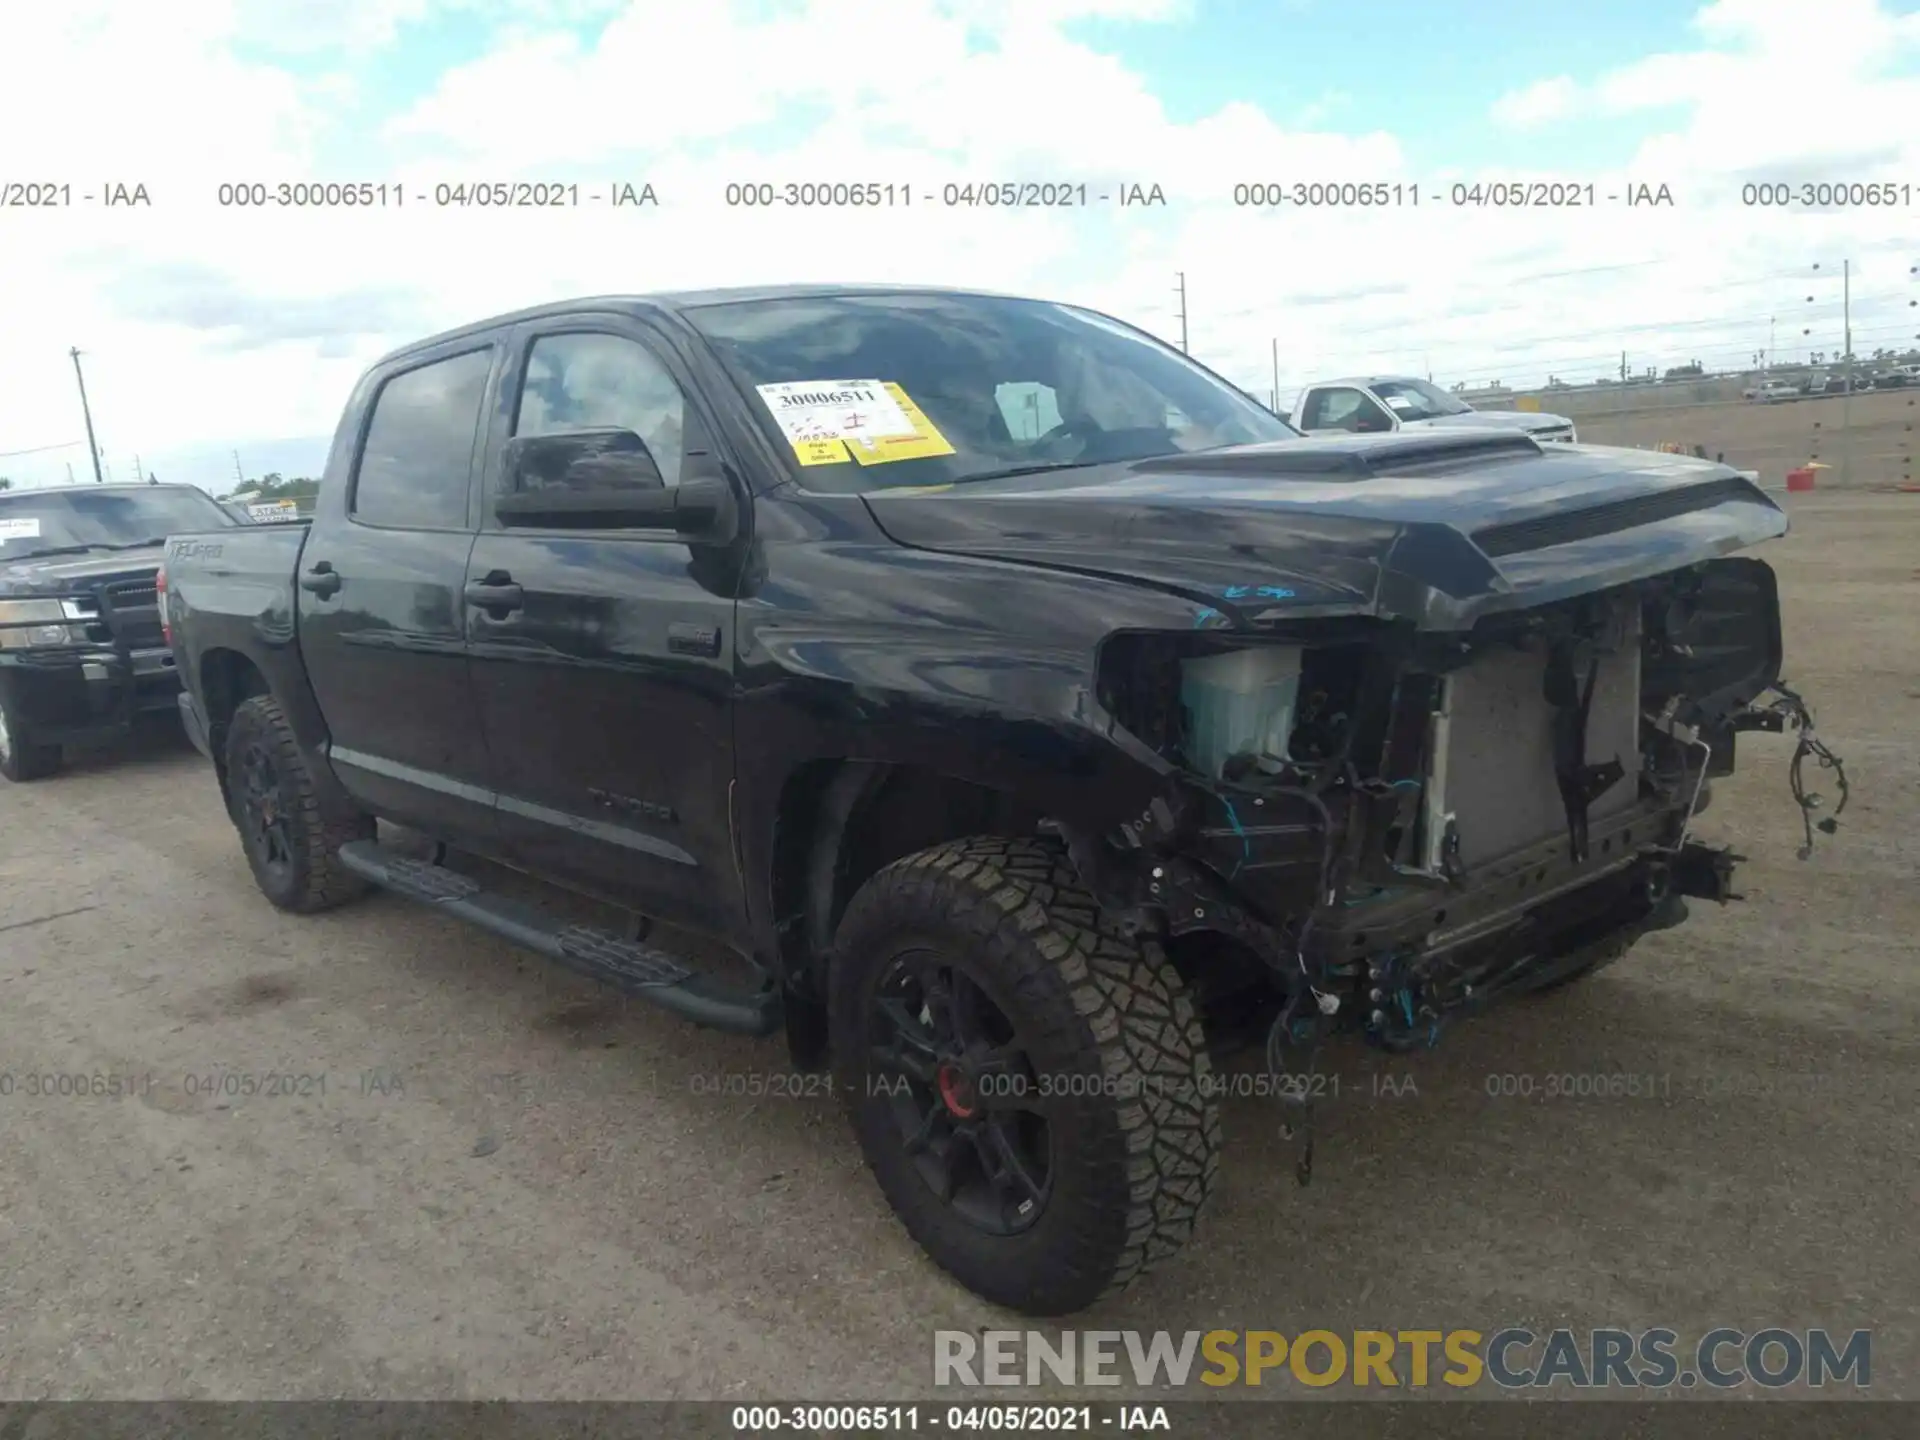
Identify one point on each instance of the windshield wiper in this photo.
(54, 550)
(137, 544)
(1040, 468)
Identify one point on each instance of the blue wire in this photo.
(1246, 845)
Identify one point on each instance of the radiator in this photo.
(1493, 771)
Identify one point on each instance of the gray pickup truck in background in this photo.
(81, 650)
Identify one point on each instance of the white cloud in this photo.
(1540, 103)
(215, 326)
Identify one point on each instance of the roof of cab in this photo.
(676, 302)
(1367, 380)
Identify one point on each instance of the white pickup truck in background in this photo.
(1375, 404)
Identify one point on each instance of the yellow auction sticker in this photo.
(924, 441)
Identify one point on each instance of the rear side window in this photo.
(415, 466)
(1344, 409)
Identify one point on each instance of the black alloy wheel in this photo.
(260, 810)
(292, 841)
(962, 1090)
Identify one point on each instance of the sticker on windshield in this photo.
(820, 452)
(834, 409)
(920, 441)
(27, 527)
(1397, 402)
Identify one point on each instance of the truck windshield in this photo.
(37, 521)
(1419, 399)
(875, 391)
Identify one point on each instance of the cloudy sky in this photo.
(209, 329)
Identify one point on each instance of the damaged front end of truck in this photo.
(1400, 815)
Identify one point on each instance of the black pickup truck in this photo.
(1034, 711)
(81, 653)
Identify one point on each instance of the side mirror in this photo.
(607, 480)
(580, 460)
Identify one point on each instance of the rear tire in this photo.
(1031, 1087)
(291, 844)
(20, 759)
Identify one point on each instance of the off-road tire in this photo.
(20, 760)
(1133, 1160)
(315, 880)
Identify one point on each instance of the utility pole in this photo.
(1623, 367)
(1276, 374)
(1772, 320)
(239, 475)
(70, 479)
(138, 473)
(1183, 311)
(93, 446)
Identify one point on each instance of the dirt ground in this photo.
(1775, 438)
(514, 1184)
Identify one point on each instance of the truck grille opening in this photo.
(119, 612)
(1494, 763)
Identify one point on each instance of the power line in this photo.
(37, 450)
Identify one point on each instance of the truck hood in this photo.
(58, 574)
(1525, 421)
(1429, 526)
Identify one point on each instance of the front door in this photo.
(603, 678)
(382, 628)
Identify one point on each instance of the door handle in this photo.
(495, 594)
(321, 580)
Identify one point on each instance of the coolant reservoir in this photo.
(1239, 703)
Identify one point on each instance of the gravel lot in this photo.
(518, 1185)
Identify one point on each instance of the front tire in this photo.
(1031, 1087)
(292, 845)
(20, 759)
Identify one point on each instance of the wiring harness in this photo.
(1793, 712)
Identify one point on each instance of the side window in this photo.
(415, 466)
(1345, 409)
(604, 382)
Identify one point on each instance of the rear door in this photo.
(603, 677)
(382, 618)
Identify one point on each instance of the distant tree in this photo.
(5, 483)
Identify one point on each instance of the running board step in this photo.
(636, 969)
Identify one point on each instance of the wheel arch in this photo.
(840, 821)
(227, 680)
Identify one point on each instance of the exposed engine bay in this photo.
(1393, 826)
